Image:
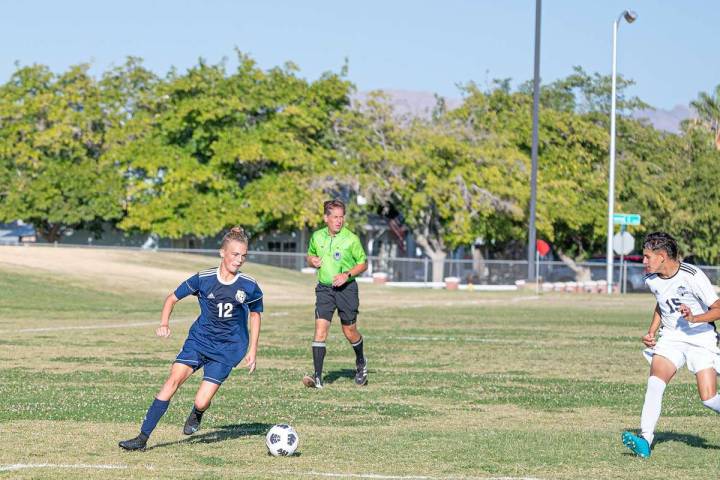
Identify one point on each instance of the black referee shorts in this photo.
(344, 299)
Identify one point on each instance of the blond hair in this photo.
(235, 234)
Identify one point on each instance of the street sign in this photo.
(626, 218)
(623, 243)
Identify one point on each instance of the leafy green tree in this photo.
(219, 149)
(450, 183)
(707, 107)
(693, 215)
(572, 185)
(52, 142)
(581, 93)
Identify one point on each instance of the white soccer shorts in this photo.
(698, 358)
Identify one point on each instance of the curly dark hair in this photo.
(661, 241)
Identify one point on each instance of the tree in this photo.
(707, 107)
(218, 147)
(51, 152)
(571, 156)
(582, 93)
(694, 216)
(450, 183)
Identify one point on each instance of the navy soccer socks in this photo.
(153, 416)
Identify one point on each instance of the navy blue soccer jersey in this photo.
(221, 330)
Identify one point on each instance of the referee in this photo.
(339, 257)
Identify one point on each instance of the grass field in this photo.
(462, 384)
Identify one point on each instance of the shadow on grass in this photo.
(222, 433)
(331, 377)
(686, 438)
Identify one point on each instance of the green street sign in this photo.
(626, 219)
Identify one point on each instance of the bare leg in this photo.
(322, 327)
(205, 394)
(707, 388)
(351, 333)
(178, 374)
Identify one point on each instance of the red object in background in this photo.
(543, 247)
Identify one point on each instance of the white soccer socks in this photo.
(713, 403)
(651, 408)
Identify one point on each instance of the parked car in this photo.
(16, 232)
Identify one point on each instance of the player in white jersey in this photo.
(686, 308)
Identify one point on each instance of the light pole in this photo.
(629, 17)
(532, 231)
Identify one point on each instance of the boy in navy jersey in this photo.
(217, 341)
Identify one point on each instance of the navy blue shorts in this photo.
(213, 371)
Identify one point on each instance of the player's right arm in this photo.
(649, 339)
(312, 258)
(164, 329)
(191, 286)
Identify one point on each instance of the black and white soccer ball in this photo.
(282, 440)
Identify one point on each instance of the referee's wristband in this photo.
(349, 275)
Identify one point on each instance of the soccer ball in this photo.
(282, 440)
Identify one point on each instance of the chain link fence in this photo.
(485, 272)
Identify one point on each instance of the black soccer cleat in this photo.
(137, 443)
(312, 382)
(361, 374)
(192, 424)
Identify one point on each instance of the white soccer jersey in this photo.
(689, 286)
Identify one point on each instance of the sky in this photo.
(671, 51)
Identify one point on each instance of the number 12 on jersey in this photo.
(225, 310)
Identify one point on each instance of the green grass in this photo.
(462, 384)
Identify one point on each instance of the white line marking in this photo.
(400, 477)
(453, 339)
(423, 338)
(20, 466)
(81, 466)
(112, 325)
(90, 327)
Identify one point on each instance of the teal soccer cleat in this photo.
(638, 445)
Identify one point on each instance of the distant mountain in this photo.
(668, 120)
(412, 103)
(421, 104)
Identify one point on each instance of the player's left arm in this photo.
(250, 358)
(256, 307)
(703, 290)
(360, 258)
(711, 315)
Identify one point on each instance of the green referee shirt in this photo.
(339, 253)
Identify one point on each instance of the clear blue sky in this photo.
(672, 51)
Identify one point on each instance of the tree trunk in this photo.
(582, 274)
(52, 232)
(438, 263)
(479, 271)
(434, 249)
